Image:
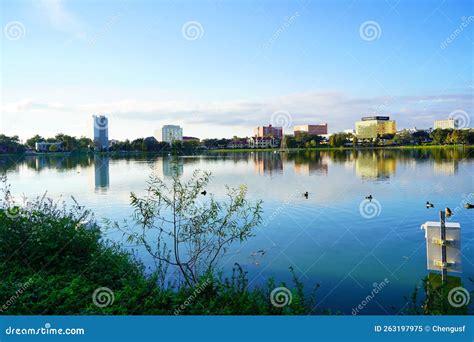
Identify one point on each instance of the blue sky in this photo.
(252, 63)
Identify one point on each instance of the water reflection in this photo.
(375, 164)
(445, 167)
(169, 167)
(371, 164)
(101, 173)
(61, 163)
(311, 162)
(267, 163)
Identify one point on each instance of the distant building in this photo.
(311, 129)
(113, 142)
(349, 131)
(410, 130)
(157, 134)
(325, 136)
(238, 143)
(260, 142)
(169, 133)
(268, 132)
(101, 132)
(191, 139)
(42, 146)
(371, 127)
(446, 124)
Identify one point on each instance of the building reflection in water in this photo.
(169, 167)
(445, 167)
(311, 163)
(40, 163)
(101, 173)
(267, 162)
(375, 165)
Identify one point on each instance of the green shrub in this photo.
(54, 258)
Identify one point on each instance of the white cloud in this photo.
(30, 105)
(338, 109)
(133, 118)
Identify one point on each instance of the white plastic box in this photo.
(433, 246)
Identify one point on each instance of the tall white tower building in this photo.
(101, 131)
(169, 133)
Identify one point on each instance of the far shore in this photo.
(327, 148)
(318, 148)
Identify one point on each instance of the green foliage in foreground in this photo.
(52, 263)
(439, 299)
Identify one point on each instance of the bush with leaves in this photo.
(190, 228)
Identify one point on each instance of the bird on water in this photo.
(448, 212)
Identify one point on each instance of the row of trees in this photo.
(69, 143)
(342, 139)
(150, 144)
(436, 137)
(83, 144)
(405, 137)
(11, 144)
(449, 136)
(303, 140)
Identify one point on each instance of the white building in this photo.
(267, 142)
(101, 131)
(169, 133)
(42, 146)
(446, 124)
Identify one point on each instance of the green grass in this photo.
(318, 148)
(434, 147)
(327, 148)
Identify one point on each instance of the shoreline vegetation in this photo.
(342, 148)
(405, 139)
(57, 261)
(225, 150)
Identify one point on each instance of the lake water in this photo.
(327, 238)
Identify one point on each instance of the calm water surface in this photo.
(325, 238)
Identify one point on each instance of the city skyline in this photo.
(100, 128)
(311, 63)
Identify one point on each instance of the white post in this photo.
(444, 271)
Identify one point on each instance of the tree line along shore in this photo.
(404, 139)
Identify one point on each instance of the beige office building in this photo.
(311, 129)
(446, 124)
(375, 126)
